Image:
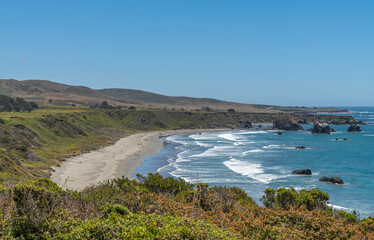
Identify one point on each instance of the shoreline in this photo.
(114, 161)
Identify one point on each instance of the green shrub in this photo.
(367, 224)
(286, 198)
(115, 209)
(137, 226)
(34, 202)
(349, 217)
(158, 184)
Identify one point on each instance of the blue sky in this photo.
(312, 53)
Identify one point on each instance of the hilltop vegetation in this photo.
(165, 208)
(8, 104)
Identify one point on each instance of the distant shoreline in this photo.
(115, 161)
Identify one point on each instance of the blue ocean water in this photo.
(258, 159)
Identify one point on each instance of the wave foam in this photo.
(176, 139)
(279, 147)
(271, 146)
(250, 132)
(229, 136)
(214, 151)
(252, 170)
(339, 207)
(252, 151)
(202, 144)
(202, 137)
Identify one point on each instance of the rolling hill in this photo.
(48, 92)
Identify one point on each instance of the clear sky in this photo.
(312, 53)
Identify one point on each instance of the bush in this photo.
(8, 104)
(349, 217)
(168, 208)
(367, 224)
(34, 203)
(287, 198)
(137, 226)
(115, 209)
(158, 184)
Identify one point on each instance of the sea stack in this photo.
(335, 180)
(285, 122)
(354, 128)
(303, 172)
(322, 128)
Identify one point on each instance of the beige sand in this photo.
(120, 159)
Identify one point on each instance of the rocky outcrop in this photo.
(354, 128)
(245, 124)
(303, 172)
(300, 147)
(285, 122)
(329, 119)
(335, 180)
(322, 128)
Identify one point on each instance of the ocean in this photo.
(258, 159)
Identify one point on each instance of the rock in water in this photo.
(354, 128)
(245, 124)
(335, 180)
(322, 128)
(285, 122)
(279, 133)
(303, 172)
(300, 147)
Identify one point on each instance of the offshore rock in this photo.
(303, 172)
(322, 128)
(354, 128)
(335, 180)
(285, 122)
(245, 124)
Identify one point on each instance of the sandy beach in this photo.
(120, 159)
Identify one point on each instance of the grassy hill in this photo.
(41, 91)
